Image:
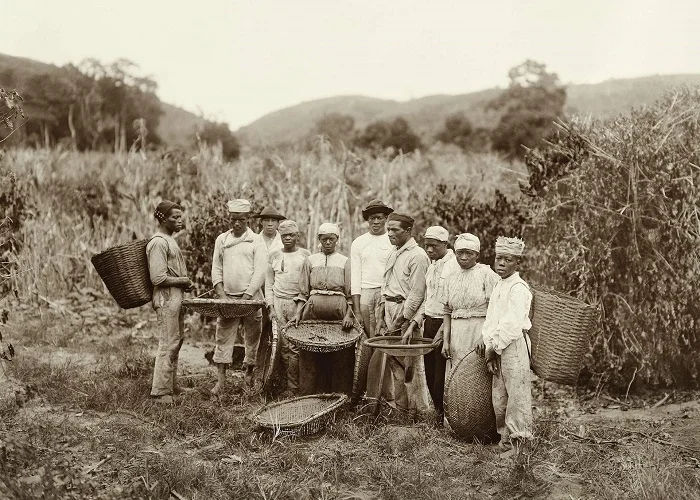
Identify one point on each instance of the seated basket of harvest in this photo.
(468, 405)
(392, 346)
(321, 336)
(302, 416)
(223, 308)
(124, 270)
(561, 329)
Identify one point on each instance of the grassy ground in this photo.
(76, 422)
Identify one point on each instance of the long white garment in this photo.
(368, 257)
(508, 313)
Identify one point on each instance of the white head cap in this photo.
(438, 233)
(467, 241)
(328, 228)
(240, 206)
(511, 246)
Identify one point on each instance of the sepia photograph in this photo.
(352, 250)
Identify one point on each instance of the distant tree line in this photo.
(529, 107)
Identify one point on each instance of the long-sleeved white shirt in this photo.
(283, 271)
(508, 313)
(240, 263)
(368, 257)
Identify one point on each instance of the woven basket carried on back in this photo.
(561, 329)
(321, 336)
(467, 400)
(124, 270)
(223, 308)
(300, 416)
(392, 345)
(269, 353)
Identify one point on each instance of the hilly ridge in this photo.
(427, 114)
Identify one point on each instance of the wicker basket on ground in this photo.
(321, 336)
(269, 353)
(467, 401)
(363, 353)
(124, 270)
(561, 329)
(301, 416)
(223, 308)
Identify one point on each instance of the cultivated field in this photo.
(75, 415)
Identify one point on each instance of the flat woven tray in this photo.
(561, 329)
(468, 405)
(302, 416)
(269, 354)
(363, 353)
(223, 308)
(392, 346)
(321, 336)
(124, 270)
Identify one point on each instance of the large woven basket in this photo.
(124, 270)
(392, 345)
(321, 336)
(269, 353)
(302, 416)
(560, 334)
(467, 400)
(223, 308)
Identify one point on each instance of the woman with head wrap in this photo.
(324, 285)
(168, 274)
(466, 297)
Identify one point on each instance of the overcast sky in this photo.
(236, 60)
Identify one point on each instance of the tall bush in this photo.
(616, 222)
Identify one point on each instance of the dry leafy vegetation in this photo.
(607, 206)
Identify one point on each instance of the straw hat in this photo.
(270, 213)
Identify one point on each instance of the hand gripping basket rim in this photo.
(223, 308)
(561, 330)
(124, 271)
(394, 347)
(321, 335)
(297, 418)
(467, 401)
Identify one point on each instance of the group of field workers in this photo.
(389, 285)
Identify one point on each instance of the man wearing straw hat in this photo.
(369, 254)
(403, 292)
(506, 349)
(270, 220)
(281, 290)
(238, 271)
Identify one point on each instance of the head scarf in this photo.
(401, 218)
(437, 233)
(287, 227)
(240, 206)
(511, 246)
(164, 208)
(467, 241)
(328, 228)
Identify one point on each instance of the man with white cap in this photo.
(238, 271)
(431, 312)
(281, 288)
(466, 294)
(507, 352)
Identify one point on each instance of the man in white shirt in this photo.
(238, 270)
(368, 257)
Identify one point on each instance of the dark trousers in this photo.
(434, 364)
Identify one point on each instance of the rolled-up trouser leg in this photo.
(170, 338)
(285, 310)
(512, 393)
(225, 337)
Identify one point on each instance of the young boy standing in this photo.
(281, 288)
(506, 347)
